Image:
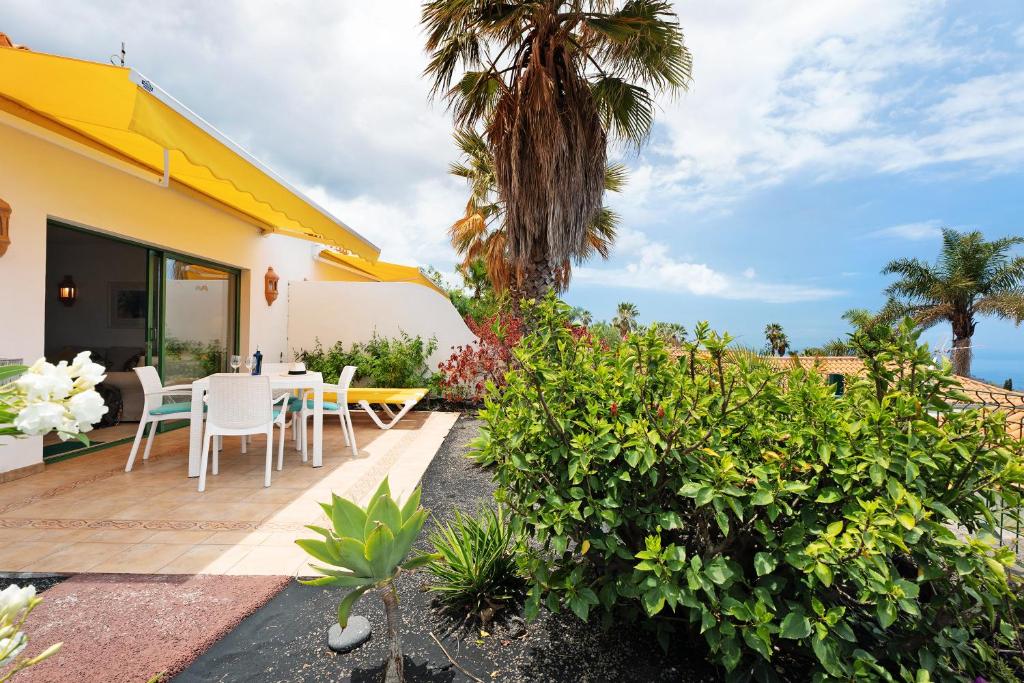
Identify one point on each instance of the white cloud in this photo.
(413, 231)
(923, 230)
(651, 265)
(831, 89)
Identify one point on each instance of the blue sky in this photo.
(819, 140)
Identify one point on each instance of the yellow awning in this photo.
(131, 118)
(379, 271)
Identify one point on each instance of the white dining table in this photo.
(278, 381)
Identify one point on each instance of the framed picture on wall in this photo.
(127, 305)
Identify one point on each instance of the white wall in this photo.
(352, 311)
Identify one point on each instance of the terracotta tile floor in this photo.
(87, 514)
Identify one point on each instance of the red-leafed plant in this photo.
(464, 376)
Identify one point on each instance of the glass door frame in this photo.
(156, 287)
(156, 291)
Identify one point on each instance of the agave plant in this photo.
(365, 549)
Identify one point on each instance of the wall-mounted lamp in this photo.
(5, 226)
(270, 285)
(67, 292)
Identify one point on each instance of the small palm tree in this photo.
(971, 278)
(671, 333)
(778, 342)
(861, 319)
(625, 318)
(553, 81)
(582, 316)
(480, 235)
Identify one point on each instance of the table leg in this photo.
(318, 426)
(195, 431)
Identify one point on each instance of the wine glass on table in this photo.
(236, 362)
(249, 362)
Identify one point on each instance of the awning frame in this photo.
(166, 98)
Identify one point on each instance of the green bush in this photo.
(383, 362)
(788, 527)
(475, 566)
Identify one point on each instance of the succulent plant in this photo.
(366, 548)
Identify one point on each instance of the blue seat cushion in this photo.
(295, 404)
(171, 408)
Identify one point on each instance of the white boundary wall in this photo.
(353, 311)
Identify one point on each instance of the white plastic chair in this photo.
(304, 409)
(239, 405)
(154, 410)
(267, 370)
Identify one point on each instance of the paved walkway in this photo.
(87, 515)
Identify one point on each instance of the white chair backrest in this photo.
(149, 378)
(345, 379)
(239, 401)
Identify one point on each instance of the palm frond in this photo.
(641, 42)
(615, 177)
(1006, 304)
(626, 110)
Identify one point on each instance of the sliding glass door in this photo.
(199, 308)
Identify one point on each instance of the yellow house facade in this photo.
(165, 228)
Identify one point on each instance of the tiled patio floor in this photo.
(87, 515)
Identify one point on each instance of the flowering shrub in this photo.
(47, 397)
(15, 605)
(796, 533)
(467, 372)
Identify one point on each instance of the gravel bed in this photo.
(40, 581)
(286, 640)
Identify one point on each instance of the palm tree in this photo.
(670, 333)
(552, 82)
(625, 318)
(480, 234)
(778, 342)
(582, 317)
(861, 319)
(474, 275)
(971, 278)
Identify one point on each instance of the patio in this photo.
(87, 515)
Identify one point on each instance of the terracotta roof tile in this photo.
(982, 394)
(5, 41)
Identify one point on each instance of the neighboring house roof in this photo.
(378, 271)
(115, 110)
(5, 41)
(981, 394)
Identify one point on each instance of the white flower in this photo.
(87, 408)
(14, 599)
(87, 373)
(45, 382)
(12, 647)
(41, 418)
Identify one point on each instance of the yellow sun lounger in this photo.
(385, 398)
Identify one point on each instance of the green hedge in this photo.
(382, 361)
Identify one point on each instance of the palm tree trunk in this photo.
(395, 670)
(961, 353)
(538, 274)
